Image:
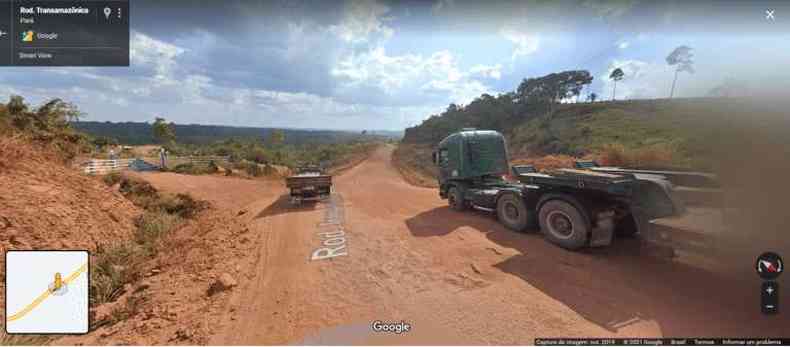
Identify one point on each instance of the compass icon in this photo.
(769, 265)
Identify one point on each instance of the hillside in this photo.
(140, 133)
(46, 205)
(678, 133)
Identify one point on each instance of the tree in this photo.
(16, 105)
(682, 58)
(54, 115)
(163, 132)
(592, 97)
(553, 87)
(277, 137)
(616, 75)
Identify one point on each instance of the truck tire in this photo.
(563, 224)
(512, 212)
(455, 199)
(626, 227)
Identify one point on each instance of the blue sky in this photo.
(389, 65)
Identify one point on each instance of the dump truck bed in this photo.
(308, 179)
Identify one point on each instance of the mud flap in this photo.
(642, 223)
(603, 233)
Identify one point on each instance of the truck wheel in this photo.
(455, 199)
(563, 224)
(626, 227)
(512, 212)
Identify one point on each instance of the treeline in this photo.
(141, 133)
(532, 98)
(270, 151)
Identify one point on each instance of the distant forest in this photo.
(134, 133)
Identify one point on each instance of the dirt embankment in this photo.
(186, 287)
(415, 165)
(46, 205)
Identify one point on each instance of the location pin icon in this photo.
(107, 12)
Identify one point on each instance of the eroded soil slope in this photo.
(46, 205)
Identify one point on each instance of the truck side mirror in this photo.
(434, 158)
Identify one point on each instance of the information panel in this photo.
(64, 33)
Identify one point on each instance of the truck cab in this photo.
(574, 208)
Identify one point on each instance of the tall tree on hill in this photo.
(163, 132)
(616, 75)
(552, 88)
(592, 97)
(682, 58)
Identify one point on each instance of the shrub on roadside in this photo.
(24, 340)
(658, 155)
(112, 178)
(196, 169)
(114, 267)
(152, 226)
(182, 205)
(120, 264)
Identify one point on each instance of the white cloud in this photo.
(413, 78)
(486, 71)
(145, 51)
(623, 44)
(642, 80)
(362, 19)
(525, 44)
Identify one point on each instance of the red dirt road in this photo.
(457, 278)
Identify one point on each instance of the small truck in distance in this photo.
(309, 183)
(574, 208)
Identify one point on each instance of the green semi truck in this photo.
(574, 208)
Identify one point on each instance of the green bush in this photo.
(48, 125)
(152, 226)
(114, 267)
(196, 169)
(112, 178)
(182, 205)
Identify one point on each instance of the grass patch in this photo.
(120, 264)
(151, 227)
(111, 179)
(115, 266)
(655, 156)
(24, 340)
(129, 309)
(196, 169)
(415, 164)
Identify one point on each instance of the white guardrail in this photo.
(103, 167)
(106, 166)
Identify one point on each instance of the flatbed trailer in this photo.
(574, 208)
(309, 184)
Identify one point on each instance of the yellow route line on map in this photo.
(45, 295)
